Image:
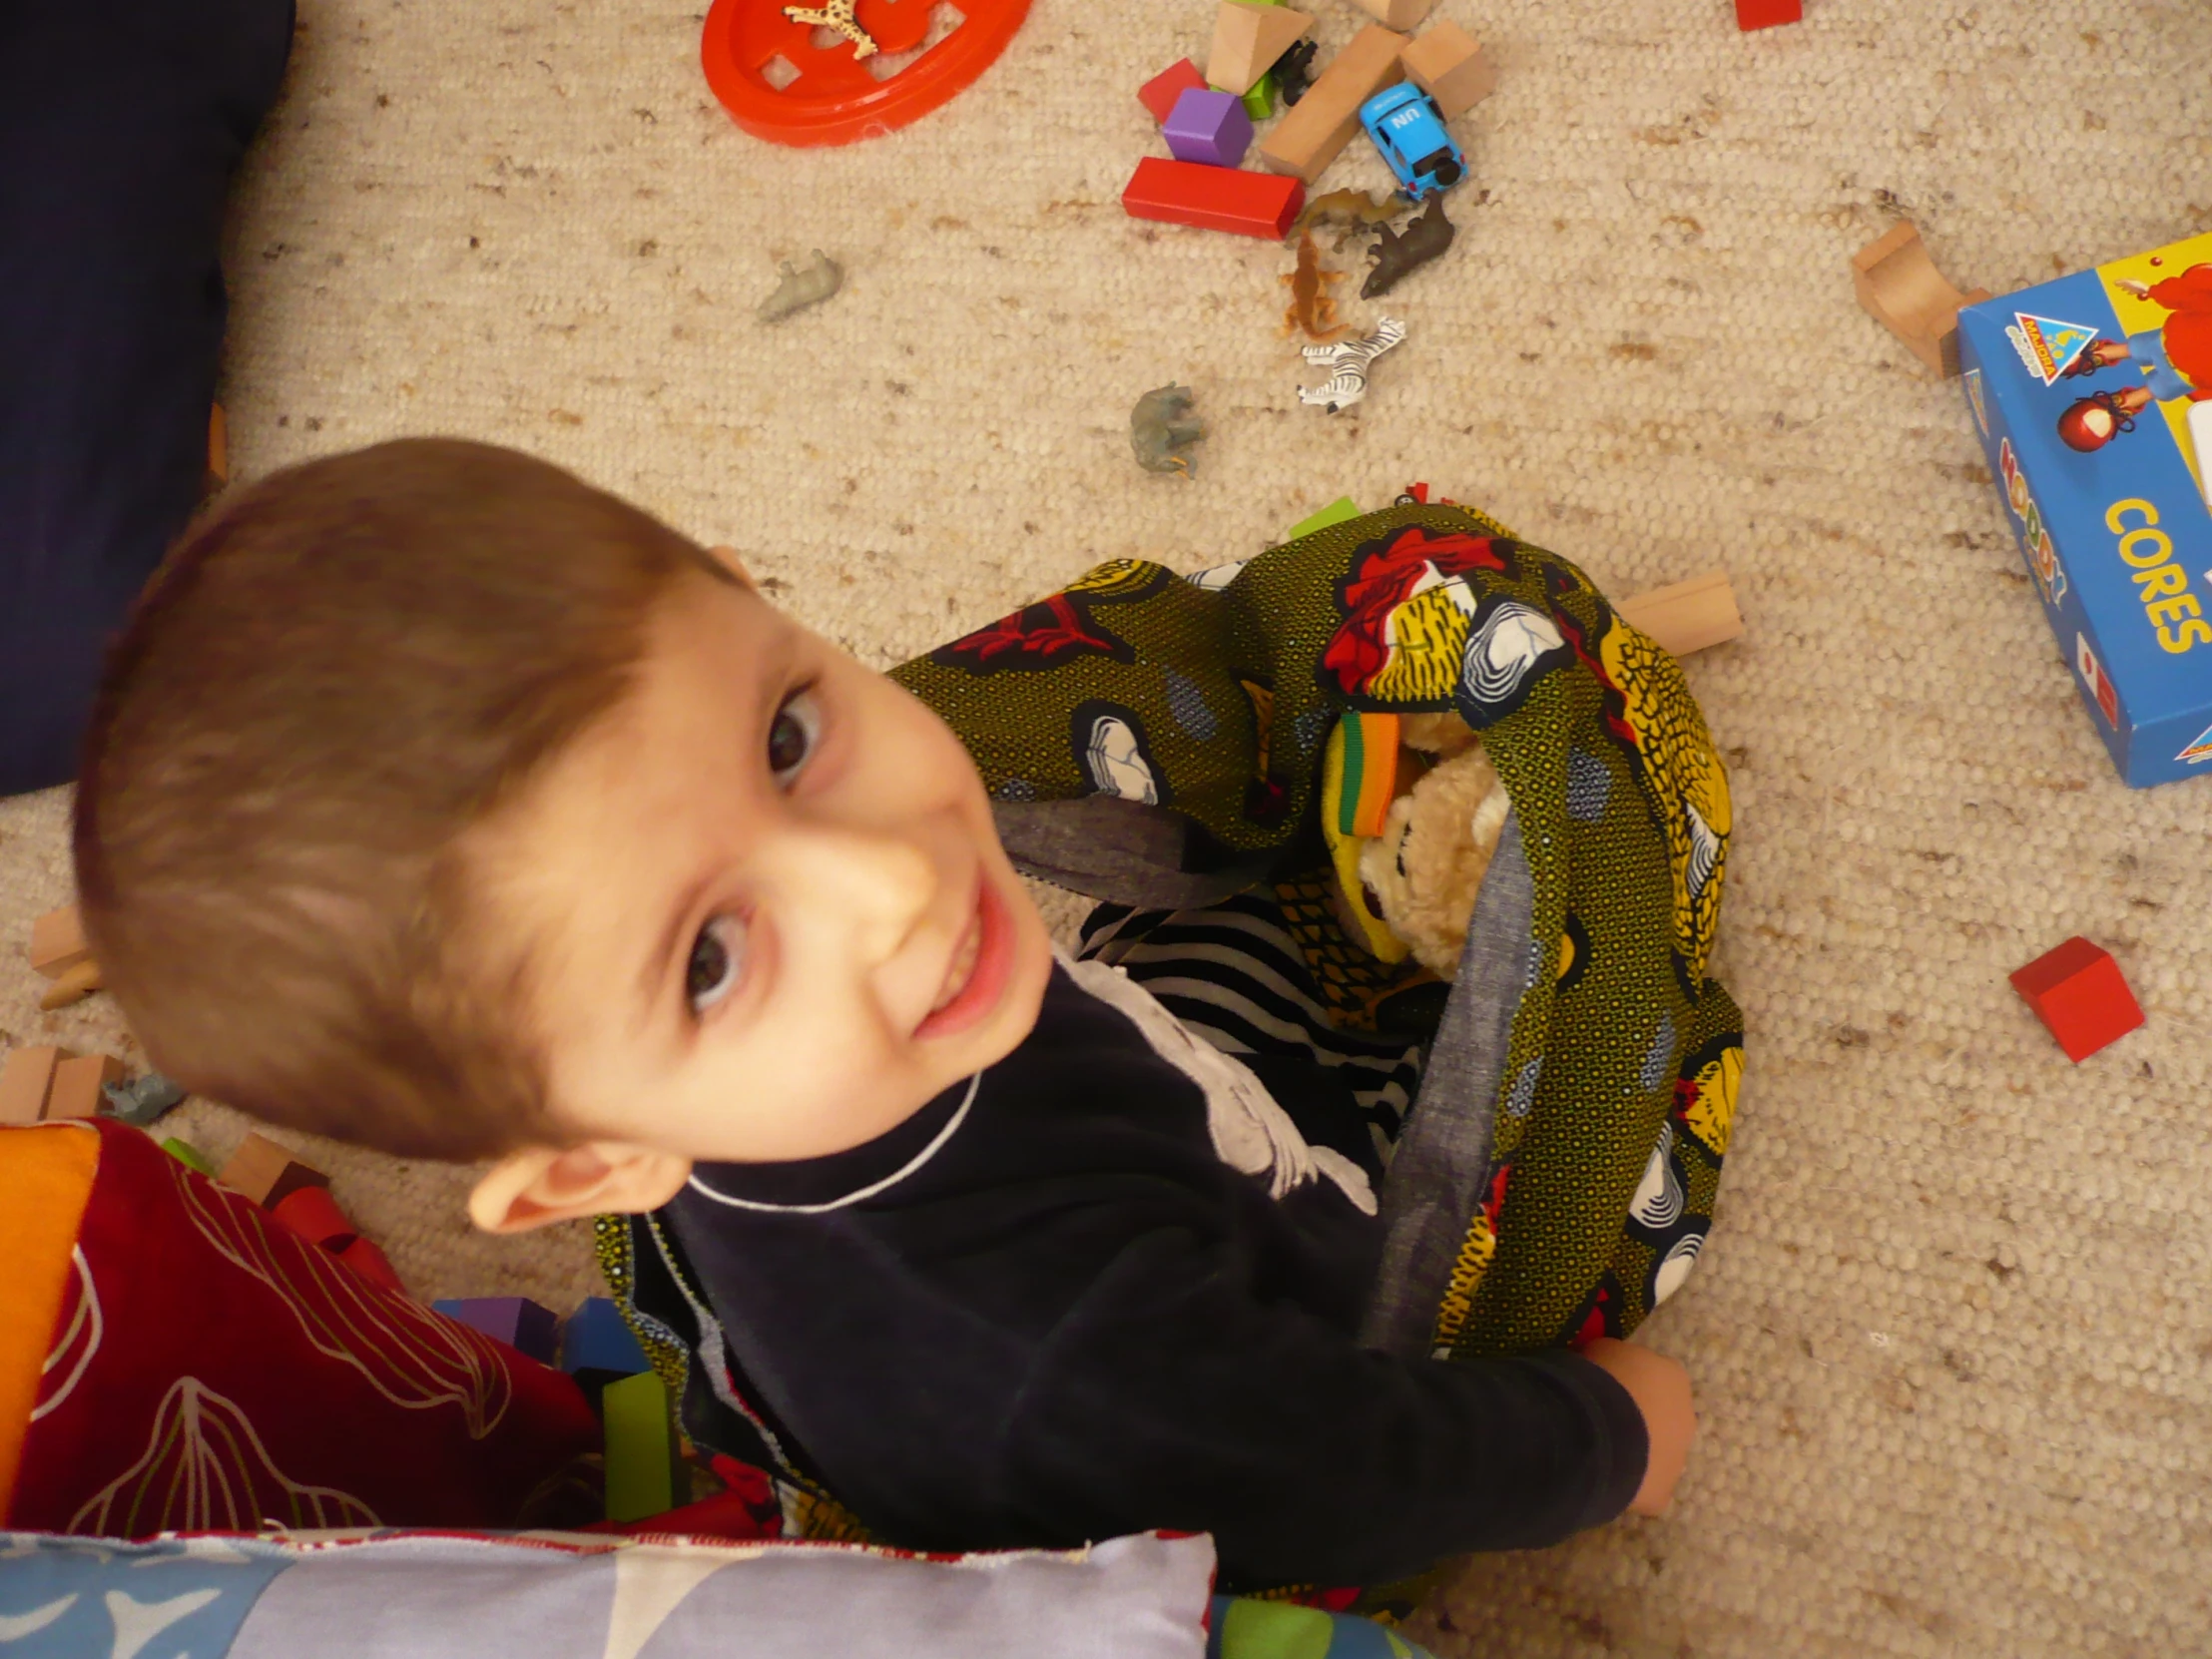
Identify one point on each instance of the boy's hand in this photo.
(1661, 1390)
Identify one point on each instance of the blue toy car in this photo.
(1410, 130)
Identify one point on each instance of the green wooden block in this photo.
(641, 1447)
(1336, 512)
(188, 1155)
(1259, 103)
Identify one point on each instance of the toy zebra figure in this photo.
(1347, 363)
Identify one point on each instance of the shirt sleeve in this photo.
(1172, 1396)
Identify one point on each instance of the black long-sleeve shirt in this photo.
(1062, 1317)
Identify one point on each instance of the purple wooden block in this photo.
(514, 1320)
(1208, 126)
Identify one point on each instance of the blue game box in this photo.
(2093, 397)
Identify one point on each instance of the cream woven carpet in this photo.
(1951, 1337)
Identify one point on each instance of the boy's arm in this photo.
(1171, 1397)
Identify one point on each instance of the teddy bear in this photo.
(1423, 872)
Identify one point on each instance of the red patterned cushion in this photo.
(210, 1370)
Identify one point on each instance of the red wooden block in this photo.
(2079, 992)
(1764, 14)
(1214, 198)
(315, 1214)
(1160, 93)
(370, 1263)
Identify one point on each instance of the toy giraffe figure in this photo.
(1311, 308)
(838, 15)
(1347, 363)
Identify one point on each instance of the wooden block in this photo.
(313, 1214)
(1686, 616)
(641, 1447)
(76, 1085)
(74, 986)
(1901, 289)
(529, 1327)
(27, 1080)
(1764, 14)
(267, 1173)
(188, 1155)
(2080, 995)
(1447, 62)
(58, 942)
(365, 1258)
(1321, 123)
(1213, 197)
(1399, 14)
(1249, 35)
(1336, 512)
(1160, 93)
(597, 1338)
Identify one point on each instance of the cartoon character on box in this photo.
(2175, 361)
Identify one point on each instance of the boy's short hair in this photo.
(324, 687)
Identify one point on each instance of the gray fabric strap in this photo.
(1443, 1161)
(1121, 852)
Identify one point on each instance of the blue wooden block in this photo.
(1208, 126)
(597, 1338)
(514, 1320)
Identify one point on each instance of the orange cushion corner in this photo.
(46, 1175)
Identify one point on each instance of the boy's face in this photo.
(768, 914)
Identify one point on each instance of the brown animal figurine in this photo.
(1311, 308)
(1395, 255)
(1354, 209)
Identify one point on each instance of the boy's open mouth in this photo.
(977, 972)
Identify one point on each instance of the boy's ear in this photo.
(726, 557)
(541, 1185)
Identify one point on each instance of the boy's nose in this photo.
(873, 888)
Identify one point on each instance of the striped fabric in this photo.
(1235, 976)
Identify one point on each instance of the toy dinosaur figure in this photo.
(1356, 210)
(801, 286)
(1347, 364)
(1311, 308)
(838, 15)
(1294, 71)
(1395, 255)
(1158, 430)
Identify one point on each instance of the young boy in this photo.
(439, 803)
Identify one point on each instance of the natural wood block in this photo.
(74, 986)
(1900, 288)
(1446, 62)
(77, 1086)
(1321, 123)
(1249, 35)
(267, 1173)
(58, 942)
(27, 1080)
(1686, 616)
(1399, 14)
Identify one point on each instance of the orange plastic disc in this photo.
(835, 97)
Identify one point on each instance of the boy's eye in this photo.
(716, 963)
(791, 736)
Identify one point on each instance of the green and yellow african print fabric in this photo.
(1214, 697)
